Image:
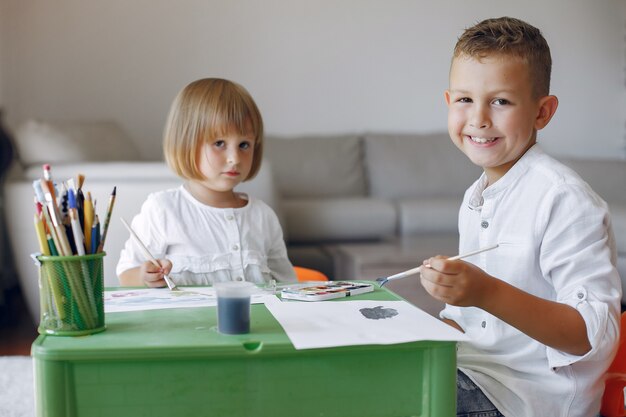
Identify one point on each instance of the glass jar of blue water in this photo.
(233, 306)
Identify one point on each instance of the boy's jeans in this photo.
(470, 400)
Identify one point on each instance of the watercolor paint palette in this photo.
(326, 291)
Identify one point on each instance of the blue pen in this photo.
(77, 230)
(71, 199)
(95, 235)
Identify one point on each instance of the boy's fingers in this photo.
(439, 292)
(442, 264)
(438, 279)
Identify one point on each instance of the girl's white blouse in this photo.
(207, 244)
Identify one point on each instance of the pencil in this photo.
(55, 290)
(107, 219)
(88, 224)
(56, 227)
(41, 236)
(80, 199)
(95, 235)
(77, 231)
(47, 175)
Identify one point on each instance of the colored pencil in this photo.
(88, 221)
(77, 231)
(107, 219)
(41, 236)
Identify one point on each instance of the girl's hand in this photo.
(457, 283)
(152, 275)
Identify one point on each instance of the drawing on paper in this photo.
(378, 312)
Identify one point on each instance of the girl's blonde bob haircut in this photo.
(202, 112)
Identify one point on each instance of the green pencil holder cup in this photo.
(71, 294)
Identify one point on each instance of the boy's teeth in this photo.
(481, 140)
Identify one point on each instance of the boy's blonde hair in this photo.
(512, 37)
(203, 111)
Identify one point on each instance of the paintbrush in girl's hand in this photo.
(413, 271)
(151, 258)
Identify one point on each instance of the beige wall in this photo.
(313, 67)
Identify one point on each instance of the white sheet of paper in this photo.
(345, 323)
(160, 298)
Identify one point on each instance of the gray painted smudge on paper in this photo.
(378, 313)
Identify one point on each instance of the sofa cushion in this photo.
(313, 220)
(426, 165)
(39, 142)
(618, 218)
(324, 166)
(606, 176)
(432, 215)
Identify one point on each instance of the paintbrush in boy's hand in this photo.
(413, 271)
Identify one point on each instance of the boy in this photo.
(542, 310)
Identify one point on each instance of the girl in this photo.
(203, 231)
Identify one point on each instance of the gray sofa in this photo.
(367, 189)
(352, 206)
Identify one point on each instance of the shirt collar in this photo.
(482, 191)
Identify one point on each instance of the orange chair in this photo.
(307, 274)
(613, 398)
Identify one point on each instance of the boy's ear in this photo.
(446, 95)
(547, 108)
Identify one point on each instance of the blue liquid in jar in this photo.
(233, 315)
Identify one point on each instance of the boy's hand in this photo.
(152, 275)
(462, 284)
(457, 283)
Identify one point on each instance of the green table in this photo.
(173, 363)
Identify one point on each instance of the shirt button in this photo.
(483, 324)
(581, 294)
(235, 247)
(484, 224)
(230, 217)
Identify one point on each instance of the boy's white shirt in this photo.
(556, 242)
(208, 244)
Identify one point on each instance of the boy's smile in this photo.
(493, 117)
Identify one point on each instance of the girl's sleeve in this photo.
(148, 225)
(277, 259)
(579, 257)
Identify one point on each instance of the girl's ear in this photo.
(446, 95)
(547, 108)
